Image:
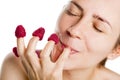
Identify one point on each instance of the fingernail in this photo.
(15, 51)
(54, 38)
(39, 33)
(20, 31)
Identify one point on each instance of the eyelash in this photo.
(70, 13)
(98, 30)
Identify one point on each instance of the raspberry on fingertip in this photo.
(54, 38)
(20, 31)
(15, 51)
(39, 33)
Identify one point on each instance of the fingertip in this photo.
(20, 31)
(54, 38)
(39, 33)
(66, 51)
(15, 51)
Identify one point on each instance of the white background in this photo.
(32, 14)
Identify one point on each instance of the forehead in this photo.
(100, 3)
(104, 1)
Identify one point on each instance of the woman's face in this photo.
(90, 28)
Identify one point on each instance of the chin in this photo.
(70, 66)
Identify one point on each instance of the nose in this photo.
(74, 32)
(77, 30)
(81, 28)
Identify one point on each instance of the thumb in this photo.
(63, 57)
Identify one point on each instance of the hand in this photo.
(40, 68)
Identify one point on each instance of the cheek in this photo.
(97, 50)
(98, 45)
(61, 23)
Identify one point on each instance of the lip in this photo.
(73, 51)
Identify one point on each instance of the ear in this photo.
(115, 53)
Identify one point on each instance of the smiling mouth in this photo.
(73, 51)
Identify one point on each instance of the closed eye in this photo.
(70, 13)
(97, 29)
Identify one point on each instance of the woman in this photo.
(89, 33)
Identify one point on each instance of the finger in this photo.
(28, 69)
(20, 34)
(45, 54)
(20, 46)
(63, 57)
(37, 35)
(31, 48)
(20, 49)
(31, 55)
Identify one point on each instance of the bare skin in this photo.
(88, 31)
(12, 66)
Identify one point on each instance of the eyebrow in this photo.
(77, 5)
(103, 20)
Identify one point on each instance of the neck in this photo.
(80, 74)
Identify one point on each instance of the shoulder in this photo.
(113, 75)
(108, 74)
(12, 69)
